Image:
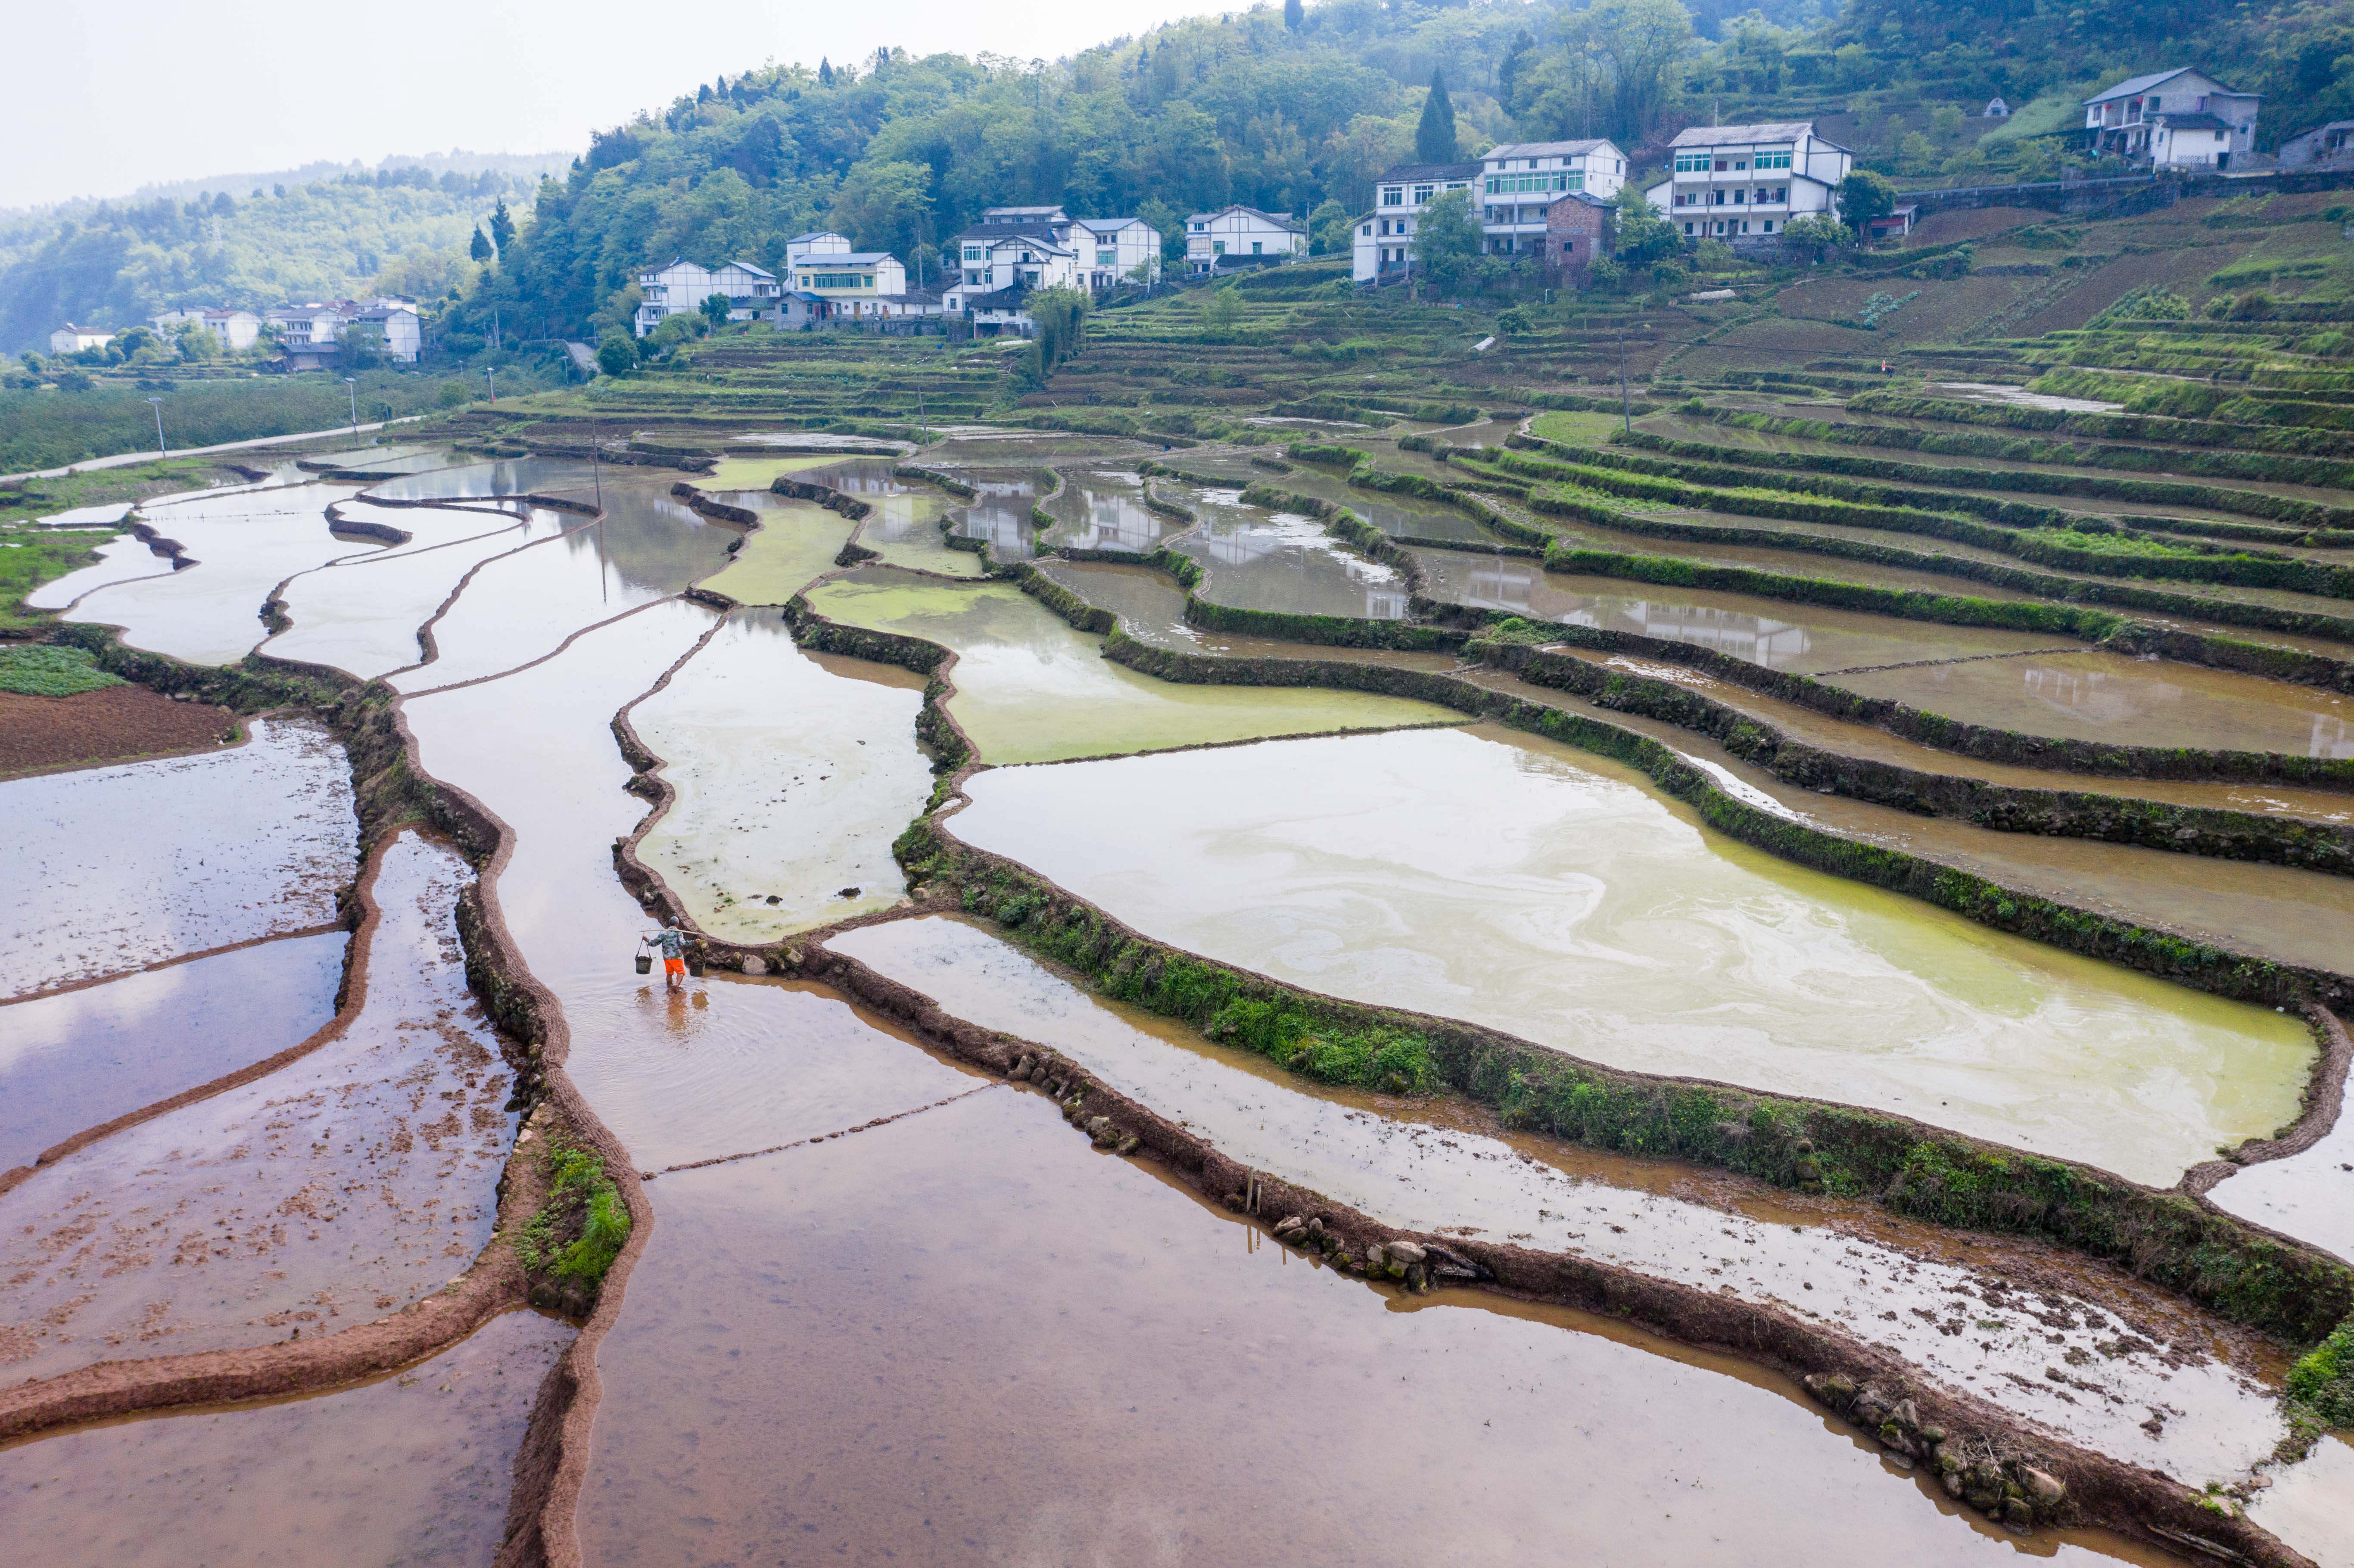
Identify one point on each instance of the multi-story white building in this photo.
(1729, 181)
(2181, 118)
(397, 322)
(1111, 250)
(233, 330)
(683, 285)
(1519, 180)
(316, 324)
(1383, 246)
(1240, 233)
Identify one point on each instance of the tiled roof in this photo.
(2136, 84)
(1470, 171)
(1742, 135)
(1543, 149)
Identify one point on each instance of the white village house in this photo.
(1513, 188)
(234, 331)
(1729, 181)
(1240, 233)
(996, 263)
(683, 285)
(311, 335)
(2181, 118)
(72, 339)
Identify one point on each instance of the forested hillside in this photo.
(1286, 108)
(1295, 112)
(398, 229)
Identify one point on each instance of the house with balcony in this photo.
(1736, 181)
(683, 285)
(319, 323)
(1519, 180)
(1112, 250)
(2181, 119)
(233, 331)
(1241, 236)
(1383, 246)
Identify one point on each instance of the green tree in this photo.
(1640, 237)
(196, 343)
(617, 353)
(1328, 229)
(1222, 309)
(1815, 236)
(1434, 137)
(479, 248)
(1446, 243)
(502, 227)
(1295, 14)
(1865, 196)
(714, 308)
(1616, 73)
(885, 205)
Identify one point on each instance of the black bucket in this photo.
(645, 963)
(695, 965)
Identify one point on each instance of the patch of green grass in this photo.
(581, 1228)
(2323, 1378)
(1580, 428)
(31, 557)
(41, 670)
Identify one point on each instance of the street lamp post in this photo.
(493, 374)
(352, 388)
(161, 451)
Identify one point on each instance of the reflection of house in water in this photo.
(1262, 551)
(1516, 588)
(2331, 737)
(999, 512)
(2096, 698)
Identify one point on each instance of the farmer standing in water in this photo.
(670, 942)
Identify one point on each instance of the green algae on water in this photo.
(795, 544)
(1030, 689)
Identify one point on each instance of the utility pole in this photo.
(352, 388)
(161, 451)
(597, 467)
(1626, 406)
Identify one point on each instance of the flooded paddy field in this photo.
(1898, 1285)
(1340, 865)
(1104, 509)
(242, 546)
(1254, 558)
(346, 1184)
(993, 1343)
(1030, 689)
(875, 1301)
(419, 1465)
(231, 847)
(792, 772)
(77, 1058)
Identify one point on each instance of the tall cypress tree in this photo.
(824, 71)
(1294, 14)
(1434, 139)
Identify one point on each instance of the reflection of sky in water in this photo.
(1754, 639)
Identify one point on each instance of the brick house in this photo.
(1576, 234)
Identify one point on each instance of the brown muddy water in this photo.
(413, 1468)
(344, 1185)
(725, 1066)
(965, 1336)
(1152, 609)
(113, 869)
(1283, 561)
(1851, 739)
(794, 773)
(75, 1059)
(1908, 1290)
(1802, 639)
(1406, 516)
(1495, 877)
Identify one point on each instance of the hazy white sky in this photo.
(107, 98)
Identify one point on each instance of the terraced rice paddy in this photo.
(1758, 979)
